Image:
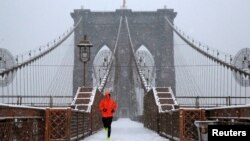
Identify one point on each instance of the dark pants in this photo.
(107, 124)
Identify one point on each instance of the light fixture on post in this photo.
(84, 47)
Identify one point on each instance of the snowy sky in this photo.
(28, 24)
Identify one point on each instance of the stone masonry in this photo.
(148, 28)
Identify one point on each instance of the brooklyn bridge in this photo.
(53, 92)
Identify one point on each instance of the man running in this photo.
(107, 107)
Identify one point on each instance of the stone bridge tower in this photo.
(147, 28)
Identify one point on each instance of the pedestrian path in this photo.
(126, 130)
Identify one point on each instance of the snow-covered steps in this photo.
(83, 98)
(165, 98)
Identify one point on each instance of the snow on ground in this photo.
(126, 130)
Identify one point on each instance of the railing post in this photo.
(69, 122)
(229, 101)
(77, 129)
(17, 102)
(158, 124)
(197, 103)
(51, 101)
(83, 115)
(181, 121)
(91, 122)
(203, 114)
(46, 133)
(20, 102)
(171, 123)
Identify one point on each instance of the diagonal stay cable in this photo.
(105, 77)
(146, 86)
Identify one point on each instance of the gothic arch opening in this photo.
(147, 63)
(100, 66)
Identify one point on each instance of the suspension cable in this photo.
(147, 87)
(106, 75)
(217, 60)
(32, 59)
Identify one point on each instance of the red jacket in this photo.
(107, 106)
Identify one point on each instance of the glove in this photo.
(112, 110)
(104, 110)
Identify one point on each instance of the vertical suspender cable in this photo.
(248, 84)
(24, 82)
(16, 82)
(210, 78)
(218, 87)
(240, 84)
(38, 80)
(221, 81)
(35, 79)
(214, 77)
(246, 91)
(20, 74)
(46, 76)
(41, 78)
(43, 65)
(235, 93)
(7, 89)
(33, 76)
(224, 79)
(203, 65)
(231, 74)
(27, 80)
(12, 83)
(2, 90)
(205, 76)
(227, 79)
(30, 80)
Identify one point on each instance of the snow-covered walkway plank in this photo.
(126, 130)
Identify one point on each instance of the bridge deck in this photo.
(126, 130)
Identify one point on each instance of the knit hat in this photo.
(107, 92)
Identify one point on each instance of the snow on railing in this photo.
(92, 98)
(157, 100)
(77, 93)
(158, 103)
(173, 97)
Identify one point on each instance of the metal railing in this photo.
(178, 124)
(49, 124)
(32, 100)
(205, 101)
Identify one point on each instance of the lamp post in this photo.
(84, 47)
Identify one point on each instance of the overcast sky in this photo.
(28, 24)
